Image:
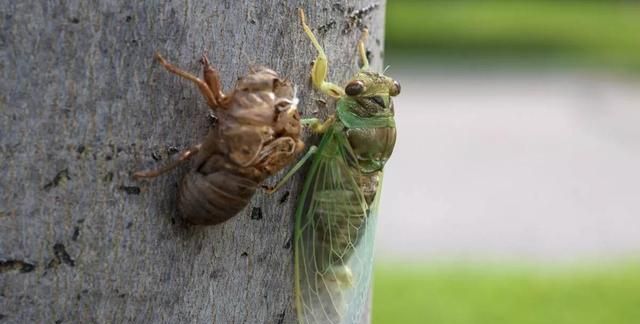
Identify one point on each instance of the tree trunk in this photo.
(83, 105)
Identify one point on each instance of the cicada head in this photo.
(369, 94)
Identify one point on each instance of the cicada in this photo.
(257, 134)
(336, 213)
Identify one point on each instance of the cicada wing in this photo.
(333, 239)
(361, 264)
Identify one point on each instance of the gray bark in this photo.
(83, 105)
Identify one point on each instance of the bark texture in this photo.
(83, 105)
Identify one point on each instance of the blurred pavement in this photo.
(538, 166)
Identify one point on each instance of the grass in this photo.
(459, 294)
(579, 32)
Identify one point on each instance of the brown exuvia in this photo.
(257, 134)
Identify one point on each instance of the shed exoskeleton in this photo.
(257, 133)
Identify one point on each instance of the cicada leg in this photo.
(316, 125)
(312, 150)
(212, 79)
(184, 156)
(320, 65)
(362, 51)
(342, 275)
(203, 86)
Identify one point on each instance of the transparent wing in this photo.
(362, 263)
(335, 227)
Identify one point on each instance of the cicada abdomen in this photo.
(257, 133)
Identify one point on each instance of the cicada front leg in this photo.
(212, 79)
(209, 95)
(362, 51)
(316, 125)
(320, 65)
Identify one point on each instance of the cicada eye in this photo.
(395, 90)
(354, 88)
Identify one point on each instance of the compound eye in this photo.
(354, 88)
(395, 90)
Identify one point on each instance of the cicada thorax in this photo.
(371, 147)
(257, 134)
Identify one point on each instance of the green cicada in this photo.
(336, 213)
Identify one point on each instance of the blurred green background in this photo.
(507, 293)
(602, 36)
